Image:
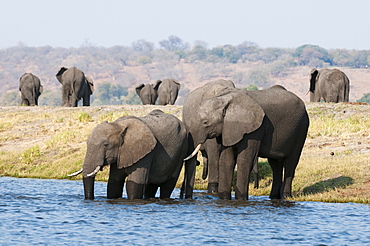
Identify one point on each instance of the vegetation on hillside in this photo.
(126, 66)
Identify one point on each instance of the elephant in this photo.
(30, 88)
(147, 93)
(168, 89)
(331, 85)
(148, 150)
(270, 123)
(210, 149)
(75, 85)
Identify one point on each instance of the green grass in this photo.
(50, 142)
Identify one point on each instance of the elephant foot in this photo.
(212, 187)
(134, 190)
(224, 195)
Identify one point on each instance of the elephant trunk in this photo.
(91, 166)
(89, 187)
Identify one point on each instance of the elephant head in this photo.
(115, 144)
(230, 114)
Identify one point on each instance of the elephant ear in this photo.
(90, 82)
(178, 85)
(157, 84)
(137, 140)
(314, 74)
(41, 89)
(60, 73)
(242, 116)
(138, 88)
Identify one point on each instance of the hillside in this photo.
(49, 142)
(245, 64)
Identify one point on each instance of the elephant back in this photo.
(171, 146)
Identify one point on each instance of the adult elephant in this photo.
(269, 123)
(149, 151)
(147, 93)
(211, 148)
(168, 89)
(30, 88)
(330, 85)
(75, 86)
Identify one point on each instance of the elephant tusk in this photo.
(194, 152)
(97, 169)
(76, 173)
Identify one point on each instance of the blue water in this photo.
(53, 212)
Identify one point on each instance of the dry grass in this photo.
(49, 142)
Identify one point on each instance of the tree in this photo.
(10, 99)
(308, 52)
(132, 99)
(251, 88)
(258, 77)
(365, 98)
(142, 45)
(173, 43)
(109, 94)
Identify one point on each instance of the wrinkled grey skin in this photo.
(30, 88)
(249, 126)
(148, 151)
(147, 93)
(75, 86)
(211, 149)
(330, 85)
(168, 89)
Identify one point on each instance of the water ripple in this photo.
(53, 212)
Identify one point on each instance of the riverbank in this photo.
(49, 142)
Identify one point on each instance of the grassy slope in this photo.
(49, 142)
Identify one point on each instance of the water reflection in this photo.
(53, 212)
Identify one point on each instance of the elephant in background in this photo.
(75, 85)
(30, 88)
(147, 93)
(168, 89)
(331, 85)
(149, 151)
(271, 123)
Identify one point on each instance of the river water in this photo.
(54, 212)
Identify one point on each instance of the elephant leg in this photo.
(213, 151)
(246, 160)
(290, 165)
(150, 190)
(138, 175)
(167, 187)
(255, 174)
(65, 95)
(277, 178)
(86, 100)
(116, 182)
(226, 172)
(134, 190)
(73, 101)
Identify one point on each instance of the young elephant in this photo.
(149, 151)
(30, 88)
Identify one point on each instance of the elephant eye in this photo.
(205, 122)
